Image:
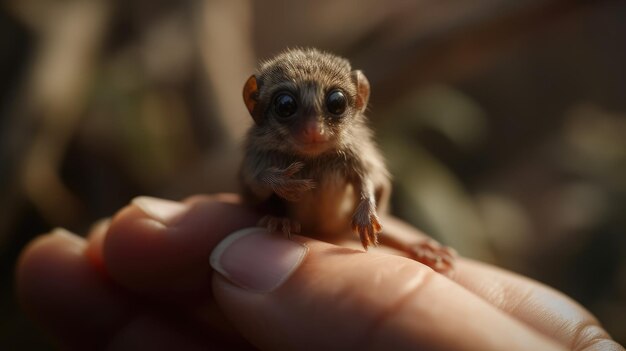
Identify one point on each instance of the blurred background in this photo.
(503, 121)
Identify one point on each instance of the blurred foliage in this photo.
(504, 121)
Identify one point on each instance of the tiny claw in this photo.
(450, 251)
(431, 253)
(365, 222)
(295, 225)
(373, 236)
(272, 225)
(279, 224)
(368, 234)
(286, 224)
(365, 239)
(293, 168)
(377, 226)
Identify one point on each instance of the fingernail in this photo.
(163, 211)
(77, 243)
(58, 231)
(257, 260)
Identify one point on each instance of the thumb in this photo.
(305, 294)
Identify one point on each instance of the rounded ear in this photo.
(251, 97)
(362, 89)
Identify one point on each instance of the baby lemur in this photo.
(310, 162)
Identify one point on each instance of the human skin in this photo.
(144, 280)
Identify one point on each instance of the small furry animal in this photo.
(310, 161)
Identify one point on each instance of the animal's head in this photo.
(305, 100)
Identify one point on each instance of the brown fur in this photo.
(323, 188)
(334, 187)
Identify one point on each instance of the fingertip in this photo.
(42, 254)
(166, 212)
(256, 259)
(162, 248)
(138, 252)
(62, 292)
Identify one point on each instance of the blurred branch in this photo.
(53, 99)
(460, 39)
(228, 59)
(224, 40)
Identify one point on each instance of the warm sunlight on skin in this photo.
(145, 279)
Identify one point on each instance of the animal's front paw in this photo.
(293, 189)
(286, 225)
(365, 222)
(436, 256)
(284, 185)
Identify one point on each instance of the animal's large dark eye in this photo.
(336, 102)
(285, 105)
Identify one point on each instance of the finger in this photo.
(95, 240)
(62, 292)
(161, 248)
(150, 333)
(546, 310)
(283, 294)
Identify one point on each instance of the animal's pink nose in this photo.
(314, 132)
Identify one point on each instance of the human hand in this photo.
(143, 281)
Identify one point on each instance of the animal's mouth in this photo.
(313, 148)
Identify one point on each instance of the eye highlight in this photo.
(336, 102)
(285, 105)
